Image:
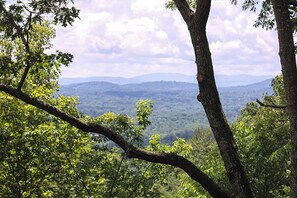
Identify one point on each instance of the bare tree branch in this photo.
(131, 151)
(24, 76)
(271, 105)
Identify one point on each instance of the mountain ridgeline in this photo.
(221, 80)
(177, 113)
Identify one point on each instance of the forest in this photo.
(54, 145)
(173, 114)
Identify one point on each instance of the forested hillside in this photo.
(176, 110)
(86, 139)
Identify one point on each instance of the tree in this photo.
(16, 23)
(38, 151)
(209, 97)
(289, 70)
(285, 20)
(43, 156)
(263, 136)
(27, 67)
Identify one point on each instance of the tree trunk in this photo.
(288, 63)
(210, 100)
(209, 96)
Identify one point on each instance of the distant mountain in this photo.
(158, 86)
(240, 80)
(116, 80)
(260, 86)
(221, 80)
(177, 113)
(166, 77)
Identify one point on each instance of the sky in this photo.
(136, 37)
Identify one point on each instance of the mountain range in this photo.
(177, 113)
(221, 80)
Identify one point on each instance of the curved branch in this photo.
(271, 105)
(132, 152)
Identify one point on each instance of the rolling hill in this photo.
(177, 113)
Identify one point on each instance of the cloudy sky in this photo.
(135, 37)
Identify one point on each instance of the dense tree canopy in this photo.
(41, 130)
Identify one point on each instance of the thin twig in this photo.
(40, 181)
(139, 181)
(77, 174)
(116, 176)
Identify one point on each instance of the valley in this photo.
(177, 113)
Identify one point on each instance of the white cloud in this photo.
(127, 38)
(148, 7)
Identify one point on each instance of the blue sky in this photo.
(135, 37)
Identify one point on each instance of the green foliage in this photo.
(33, 155)
(44, 67)
(40, 155)
(34, 160)
(263, 139)
(123, 124)
(43, 156)
(202, 151)
(26, 39)
(175, 183)
(179, 146)
(144, 109)
(171, 5)
(207, 157)
(26, 13)
(266, 16)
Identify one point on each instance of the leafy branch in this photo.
(131, 151)
(20, 33)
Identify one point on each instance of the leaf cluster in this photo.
(26, 33)
(263, 138)
(265, 17)
(171, 5)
